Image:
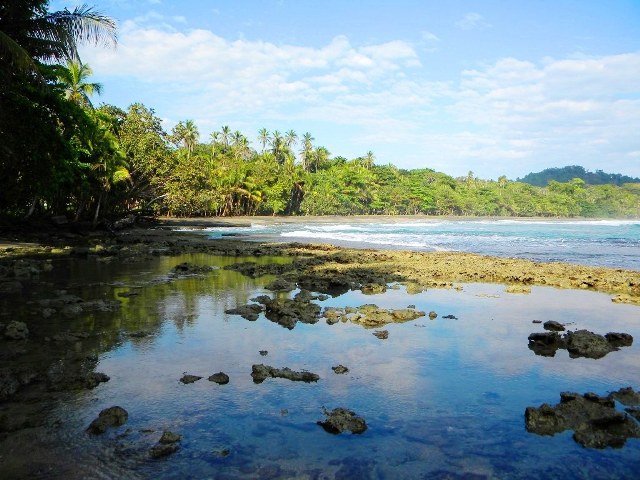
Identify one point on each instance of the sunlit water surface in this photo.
(442, 398)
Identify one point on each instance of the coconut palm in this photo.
(263, 136)
(73, 78)
(368, 160)
(307, 150)
(28, 32)
(290, 138)
(225, 135)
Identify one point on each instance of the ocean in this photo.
(606, 243)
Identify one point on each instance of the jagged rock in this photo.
(433, 315)
(340, 369)
(186, 379)
(580, 343)
(261, 372)
(249, 312)
(264, 353)
(381, 334)
(341, 420)
(626, 396)
(370, 315)
(583, 343)
(169, 437)
(280, 284)
(186, 269)
(254, 270)
(619, 339)
(220, 378)
(288, 312)
(594, 420)
(373, 288)
(93, 379)
(109, 417)
(634, 412)
(163, 450)
(553, 326)
(16, 330)
(450, 317)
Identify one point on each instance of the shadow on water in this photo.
(442, 397)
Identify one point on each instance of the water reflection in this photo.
(441, 397)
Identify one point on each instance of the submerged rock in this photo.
(186, 378)
(186, 269)
(381, 334)
(249, 312)
(16, 330)
(169, 437)
(163, 450)
(109, 417)
(594, 420)
(341, 420)
(220, 378)
(261, 372)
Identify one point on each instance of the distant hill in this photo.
(566, 174)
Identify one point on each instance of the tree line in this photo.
(59, 155)
(568, 173)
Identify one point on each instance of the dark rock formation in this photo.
(16, 330)
(281, 285)
(580, 343)
(109, 417)
(553, 326)
(340, 369)
(249, 312)
(187, 269)
(189, 378)
(220, 378)
(626, 396)
(261, 372)
(341, 420)
(381, 334)
(594, 420)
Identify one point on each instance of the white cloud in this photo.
(510, 116)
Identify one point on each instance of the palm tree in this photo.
(186, 133)
(307, 150)
(28, 33)
(277, 144)
(263, 136)
(73, 78)
(225, 135)
(368, 160)
(290, 138)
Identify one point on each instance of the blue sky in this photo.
(494, 87)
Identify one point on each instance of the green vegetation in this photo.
(566, 174)
(61, 156)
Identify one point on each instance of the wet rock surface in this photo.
(341, 420)
(250, 311)
(381, 334)
(287, 312)
(109, 417)
(340, 369)
(594, 420)
(220, 378)
(581, 343)
(260, 373)
(553, 326)
(186, 378)
(370, 315)
(186, 269)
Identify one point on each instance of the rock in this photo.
(340, 369)
(187, 269)
(340, 420)
(169, 437)
(545, 344)
(220, 378)
(553, 326)
(109, 417)
(264, 353)
(138, 334)
(634, 412)
(626, 396)
(249, 312)
(583, 343)
(537, 321)
(16, 330)
(93, 379)
(281, 285)
(287, 312)
(619, 339)
(518, 289)
(163, 450)
(261, 372)
(433, 315)
(594, 420)
(186, 379)
(373, 288)
(381, 334)
(450, 317)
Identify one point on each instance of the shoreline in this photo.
(316, 264)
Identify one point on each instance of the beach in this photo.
(444, 392)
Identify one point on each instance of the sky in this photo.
(488, 86)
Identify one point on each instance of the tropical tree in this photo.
(186, 133)
(74, 77)
(306, 152)
(263, 137)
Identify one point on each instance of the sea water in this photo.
(442, 398)
(607, 243)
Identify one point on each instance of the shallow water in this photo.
(442, 398)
